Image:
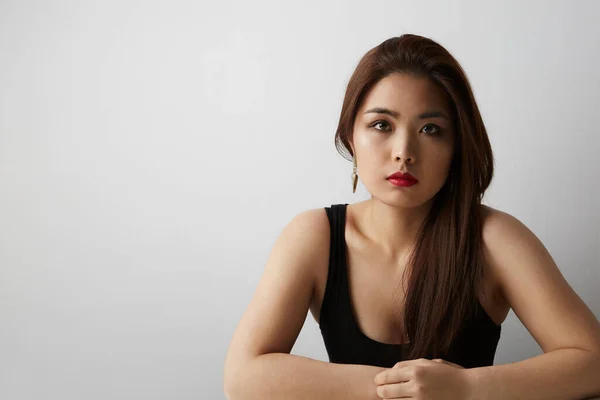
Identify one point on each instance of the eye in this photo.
(436, 131)
(379, 122)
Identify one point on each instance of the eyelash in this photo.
(429, 134)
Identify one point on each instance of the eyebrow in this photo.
(425, 115)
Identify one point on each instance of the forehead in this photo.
(406, 94)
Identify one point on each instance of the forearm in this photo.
(286, 376)
(566, 374)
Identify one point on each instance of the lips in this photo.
(404, 176)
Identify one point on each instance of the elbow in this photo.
(228, 393)
(232, 378)
(237, 384)
(228, 390)
(228, 384)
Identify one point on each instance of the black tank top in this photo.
(475, 345)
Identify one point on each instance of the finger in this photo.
(393, 375)
(418, 361)
(395, 391)
(439, 360)
(382, 376)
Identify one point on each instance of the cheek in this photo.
(366, 139)
(439, 162)
(445, 161)
(443, 154)
(361, 142)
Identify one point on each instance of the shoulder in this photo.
(501, 229)
(506, 244)
(501, 232)
(515, 256)
(533, 286)
(308, 233)
(496, 222)
(278, 308)
(312, 224)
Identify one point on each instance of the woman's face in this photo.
(406, 141)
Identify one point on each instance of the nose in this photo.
(407, 160)
(404, 151)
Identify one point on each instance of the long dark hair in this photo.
(447, 264)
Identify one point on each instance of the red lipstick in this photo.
(402, 179)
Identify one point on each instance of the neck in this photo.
(394, 229)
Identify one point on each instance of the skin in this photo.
(521, 275)
(385, 144)
(380, 232)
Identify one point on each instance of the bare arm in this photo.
(557, 318)
(291, 377)
(258, 365)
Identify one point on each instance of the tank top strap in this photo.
(337, 280)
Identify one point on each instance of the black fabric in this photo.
(475, 345)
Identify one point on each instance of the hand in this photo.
(425, 379)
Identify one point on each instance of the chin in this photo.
(405, 201)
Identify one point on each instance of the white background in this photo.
(151, 152)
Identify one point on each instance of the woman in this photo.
(410, 287)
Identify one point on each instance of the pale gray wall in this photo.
(151, 152)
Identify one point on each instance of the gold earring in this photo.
(354, 175)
